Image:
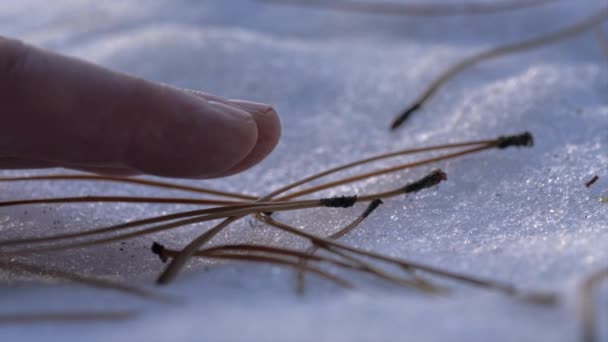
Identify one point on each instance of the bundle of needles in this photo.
(229, 207)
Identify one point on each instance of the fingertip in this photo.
(269, 132)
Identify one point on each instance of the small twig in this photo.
(553, 37)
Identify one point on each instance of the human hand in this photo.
(59, 111)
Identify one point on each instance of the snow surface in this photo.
(519, 216)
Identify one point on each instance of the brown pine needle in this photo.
(197, 219)
(244, 209)
(156, 219)
(129, 199)
(587, 309)
(197, 216)
(120, 199)
(519, 140)
(68, 317)
(88, 281)
(197, 212)
(553, 37)
(376, 173)
(139, 181)
(417, 9)
(211, 254)
(415, 283)
(311, 251)
(327, 244)
(180, 260)
(357, 265)
(201, 215)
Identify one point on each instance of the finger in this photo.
(68, 111)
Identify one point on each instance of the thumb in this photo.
(60, 111)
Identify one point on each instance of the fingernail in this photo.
(231, 111)
(253, 107)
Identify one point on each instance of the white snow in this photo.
(521, 216)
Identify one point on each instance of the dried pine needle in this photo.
(84, 280)
(415, 9)
(68, 317)
(180, 260)
(137, 181)
(343, 231)
(520, 140)
(327, 244)
(267, 203)
(224, 253)
(553, 37)
(117, 199)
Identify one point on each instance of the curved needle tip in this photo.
(400, 119)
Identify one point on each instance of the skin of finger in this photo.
(16, 163)
(82, 114)
(269, 131)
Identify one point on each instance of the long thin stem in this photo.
(198, 216)
(329, 244)
(415, 9)
(311, 251)
(88, 281)
(121, 199)
(159, 228)
(356, 264)
(264, 259)
(396, 168)
(553, 37)
(180, 260)
(198, 212)
(415, 283)
(129, 199)
(139, 181)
